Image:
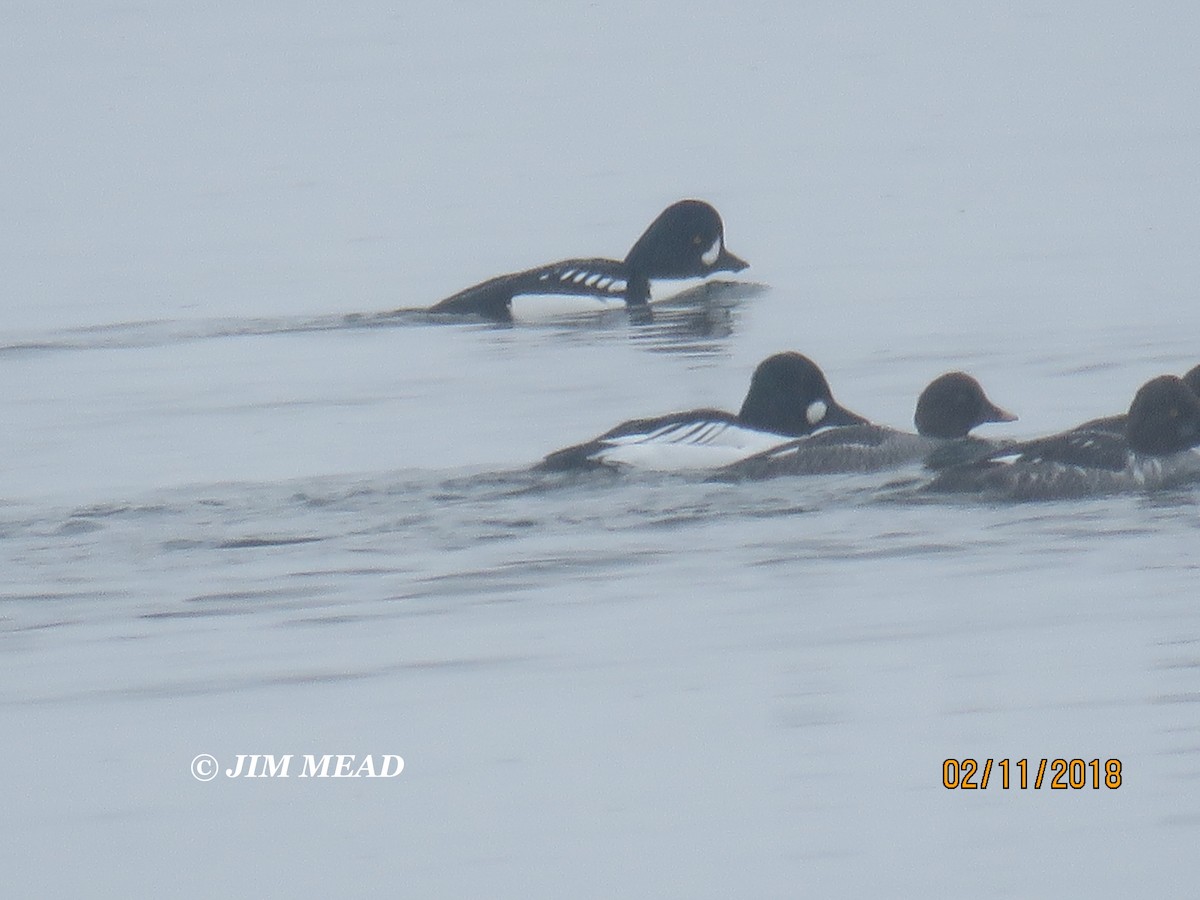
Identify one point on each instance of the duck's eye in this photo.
(697, 240)
(1173, 412)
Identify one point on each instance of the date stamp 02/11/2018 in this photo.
(1022, 774)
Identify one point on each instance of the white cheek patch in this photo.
(816, 412)
(710, 255)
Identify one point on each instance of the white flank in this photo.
(688, 446)
(662, 289)
(542, 307)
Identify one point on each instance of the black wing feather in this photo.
(603, 279)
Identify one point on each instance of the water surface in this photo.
(245, 509)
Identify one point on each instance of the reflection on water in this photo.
(694, 322)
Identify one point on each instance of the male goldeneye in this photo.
(1155, 451)
(949, 407)
(687, 240)
(788, 397)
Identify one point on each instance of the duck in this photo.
(685, 241)
(1116, 423)
(1155, 450)
(788, 396)
(947, 410)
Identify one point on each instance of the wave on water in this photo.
(697, 321)
(342, 553)
(438, 512)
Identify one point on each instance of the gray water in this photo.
(244, 512)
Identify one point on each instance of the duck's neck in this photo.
(637, 289)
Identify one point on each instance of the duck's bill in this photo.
(839, 415)
(996, 414)
(728, 262)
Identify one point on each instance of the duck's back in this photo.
(597, 278)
